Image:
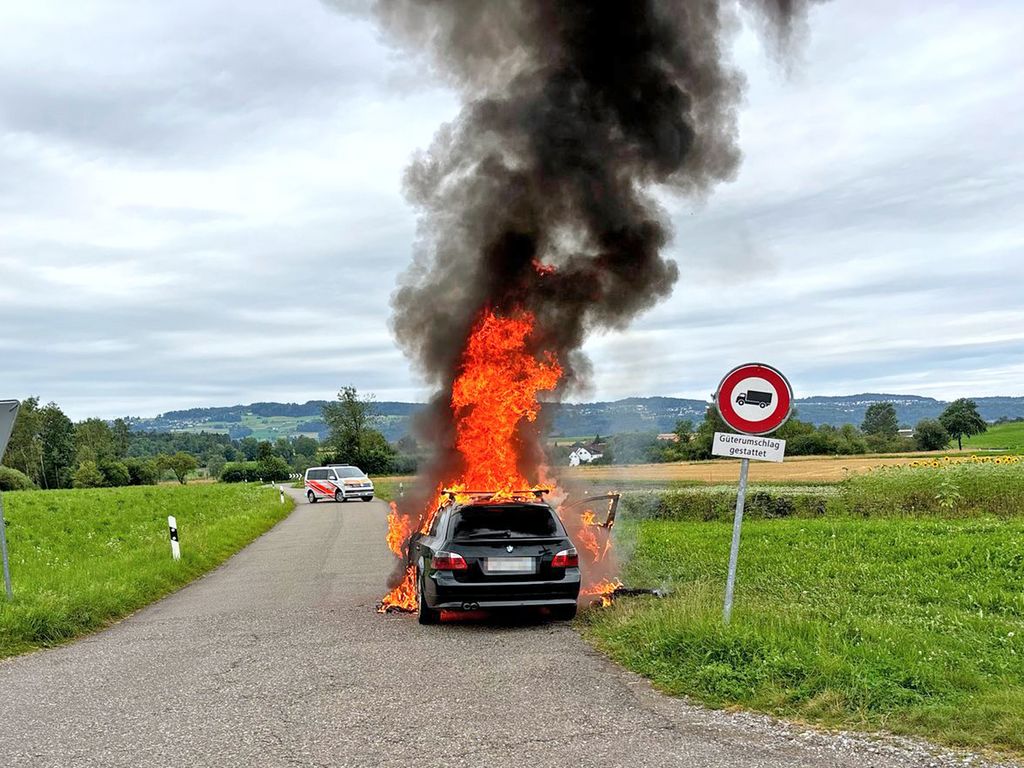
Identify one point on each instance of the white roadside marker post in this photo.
(281, 489)
(172, 525)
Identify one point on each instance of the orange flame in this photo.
(494, 394)
(603, 591)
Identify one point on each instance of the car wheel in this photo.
(563, 612)
(425, 614)
(339, 496)
(311, 496)
(367, 498)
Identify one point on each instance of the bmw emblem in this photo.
(509, 547)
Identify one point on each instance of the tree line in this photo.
(878, 433)
(49, 450)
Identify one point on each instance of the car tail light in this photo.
(567, 558)
(448, 561)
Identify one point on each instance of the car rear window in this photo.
(505, 521)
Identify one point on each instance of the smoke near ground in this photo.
(537, 196)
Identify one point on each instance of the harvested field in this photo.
(800, 469)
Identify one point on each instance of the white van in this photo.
(340, 482)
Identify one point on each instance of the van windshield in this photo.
(507, 521)
(349, 472)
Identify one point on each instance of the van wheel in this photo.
(367, 498)
(425, 614)
(311, 496)
(339, 496)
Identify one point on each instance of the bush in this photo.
(940, 487)
(142, 471)
(240, 471)
(88, 475)
(930, 435)
(273, 468)
(719, 503)
(13, 480)
(115, 474)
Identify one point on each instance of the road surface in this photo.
(278, 659)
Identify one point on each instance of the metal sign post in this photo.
(8, 414)
(755, 400)
(734, 550)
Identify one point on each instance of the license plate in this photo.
(509, 565)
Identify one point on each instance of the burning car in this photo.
(491, 551)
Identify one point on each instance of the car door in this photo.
(423, 545)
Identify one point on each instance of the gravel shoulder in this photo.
(279, 659)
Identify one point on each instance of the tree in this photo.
(122, 435)
(306, 446)
(214, 461)
(180, 464)
(115, 474)
(348, 420)
(962, 419)
(88, 475)
(880, 421)
(352, 438)
(284, 448)
(94, 441)
(23, 450)
(930, 435)
(142, 471)
(57, 438)
(273, 468)
(684, 430)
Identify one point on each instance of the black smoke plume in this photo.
(573, 111)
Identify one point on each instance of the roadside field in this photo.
(799, 469)
(1008, 437)
(914, 626)
(81, 559)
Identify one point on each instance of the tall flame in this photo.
(494, 394)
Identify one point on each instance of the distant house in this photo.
(584, 454)
(906, 433)
(669, 437)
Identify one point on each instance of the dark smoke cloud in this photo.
(573, 111)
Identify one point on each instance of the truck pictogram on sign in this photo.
(760, 399)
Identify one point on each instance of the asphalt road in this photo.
(278, 659)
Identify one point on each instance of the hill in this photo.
(268, 421)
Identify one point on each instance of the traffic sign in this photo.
(8, 413)
(754, 399)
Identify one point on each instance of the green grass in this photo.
(1008, 437)
(910, 625)
(83, 559)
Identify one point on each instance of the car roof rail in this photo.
(519, 495)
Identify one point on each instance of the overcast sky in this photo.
(201, 204)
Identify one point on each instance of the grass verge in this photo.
(82, 559)
(912, 626)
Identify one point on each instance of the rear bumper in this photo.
(444, 592)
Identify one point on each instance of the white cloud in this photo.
(201, 204)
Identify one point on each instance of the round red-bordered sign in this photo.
(754, 399)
